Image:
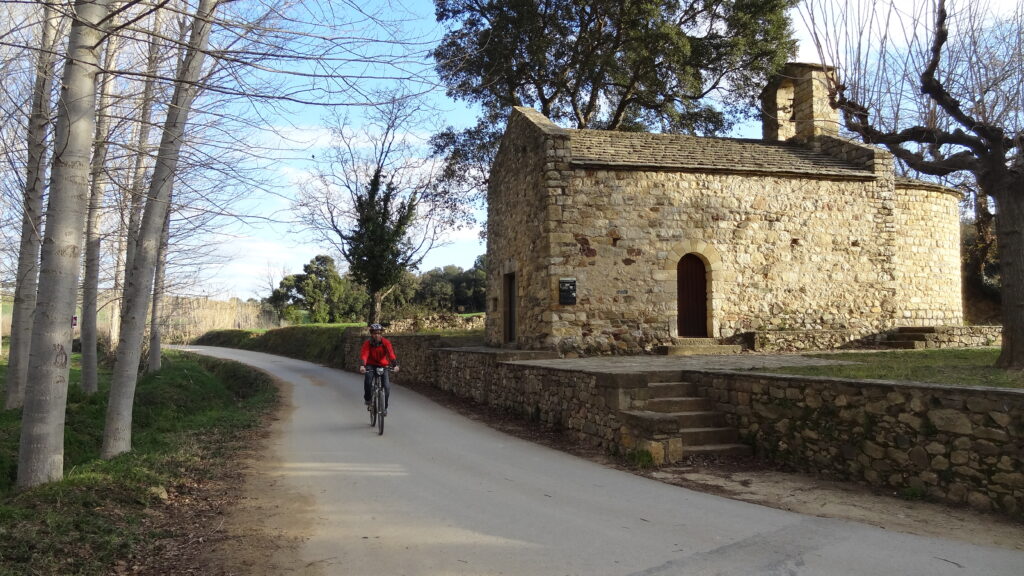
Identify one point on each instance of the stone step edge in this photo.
(710, 349)
(653, 415)
(704, 448)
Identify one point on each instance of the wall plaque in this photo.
(566, 291)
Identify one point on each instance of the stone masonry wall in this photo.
(960, 445)
(938, 337)
(950, 444)
(785, 253)
(527, 169)
(584, 405)
(928, 256)
(803, 340)
(964, 336)
(417, 353)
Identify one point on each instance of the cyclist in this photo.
(377, 351)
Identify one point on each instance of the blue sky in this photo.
(270, 249)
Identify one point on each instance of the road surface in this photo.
(439, 494)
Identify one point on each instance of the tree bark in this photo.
(154, 363)
(41, 452)
(139, 277)
(32, 215)
(1010, 233)
(90, 283)
(376, 307)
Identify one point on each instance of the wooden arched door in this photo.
(692, 289)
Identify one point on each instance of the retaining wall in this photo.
(957, 445)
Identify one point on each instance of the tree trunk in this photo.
(131, 207)
(41, 452)
(32, 216)
(1010, 235)
(139, 278)
(90, 284)
(376, 307)
(158, 297)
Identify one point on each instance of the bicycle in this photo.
(378, 401)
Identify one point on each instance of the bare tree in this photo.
(939, 84)
(32, 210)
(159, 289)
(90, 282)
(41, 451)
(373, 200)
(117, 433)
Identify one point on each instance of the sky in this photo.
(272, 249)
(267, 250)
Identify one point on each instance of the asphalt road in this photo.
(439, 494)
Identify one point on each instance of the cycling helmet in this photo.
(376, 328)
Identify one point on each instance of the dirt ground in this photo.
(247, 524)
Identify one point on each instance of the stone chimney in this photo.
(795, 104)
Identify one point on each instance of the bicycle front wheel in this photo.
(380, 408)
(373, 409)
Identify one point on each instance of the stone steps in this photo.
(911, 338)
(679, 404)
(671, 389)
(697, 347)
(675, 423)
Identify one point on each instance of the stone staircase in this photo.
(697, 346)
(674, 422)
(911, 338)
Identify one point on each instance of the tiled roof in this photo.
(693, 153)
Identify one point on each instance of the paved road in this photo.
(441, 495)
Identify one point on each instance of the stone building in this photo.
(606, 242)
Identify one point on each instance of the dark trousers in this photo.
(368, 385)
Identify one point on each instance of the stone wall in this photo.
(932, 337)
(927, 251)
(584, 405)
(776, 247)
(956, 336)
(784, 250)
(528, 169)
(805, 340)
(417, 353)
(437, 322)
(959, 445)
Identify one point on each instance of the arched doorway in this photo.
(692, 290)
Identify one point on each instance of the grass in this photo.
(188, 417)
(961, 367)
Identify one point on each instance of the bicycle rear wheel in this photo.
(373, 404)
(380, 408)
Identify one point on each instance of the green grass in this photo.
(960, 367)
(188, 417)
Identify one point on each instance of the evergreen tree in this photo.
(671, 65)
(377, 247)
(320, 290)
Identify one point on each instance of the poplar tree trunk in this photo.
(132, 205)
(41, 451)
(90, 284)
(32, 215)
(158, 298)
(117, 433)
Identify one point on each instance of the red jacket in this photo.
(378, 355)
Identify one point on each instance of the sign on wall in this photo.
(566, 291)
